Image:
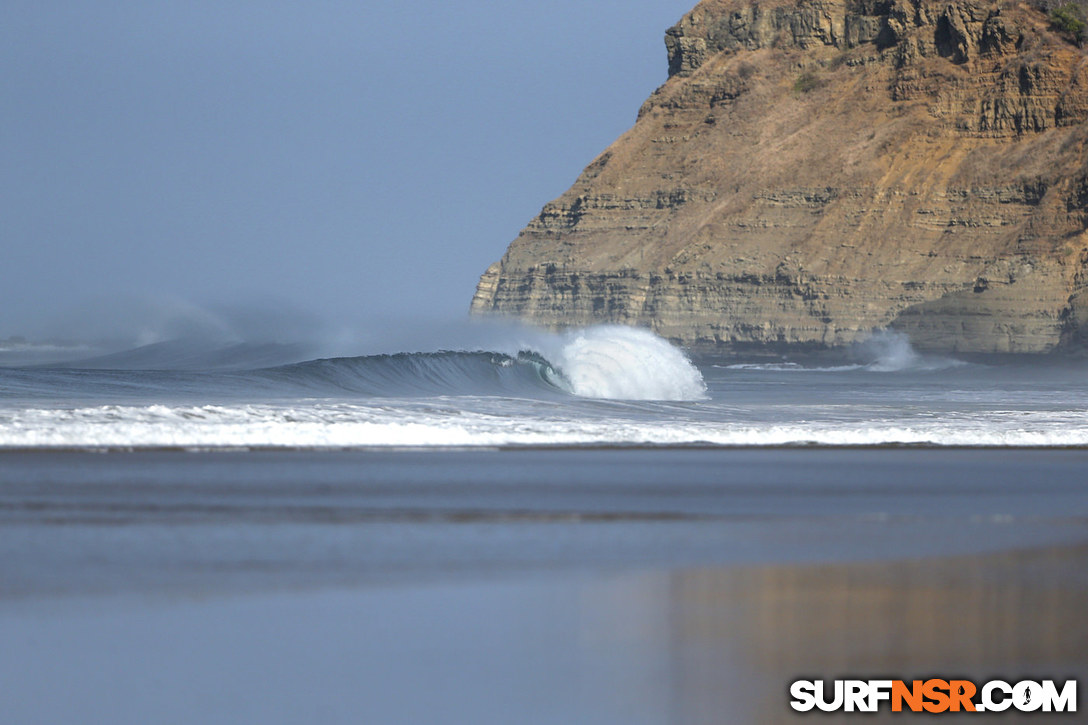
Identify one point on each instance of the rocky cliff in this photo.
(815, 169)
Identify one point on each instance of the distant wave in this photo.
(194, 354)
(891, 351)
(789, 367)
(884, 351)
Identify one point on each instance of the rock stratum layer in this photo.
(815, 170)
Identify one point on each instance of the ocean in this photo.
(588, 526)
(604, 386)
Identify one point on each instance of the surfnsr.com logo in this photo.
(933, 696)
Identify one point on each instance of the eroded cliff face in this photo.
(814, 170)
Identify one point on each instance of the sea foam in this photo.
(343, 425)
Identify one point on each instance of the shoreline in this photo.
(145, 519)
(227, 449)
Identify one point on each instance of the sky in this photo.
(306, 164)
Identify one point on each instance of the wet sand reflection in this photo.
(739, 636)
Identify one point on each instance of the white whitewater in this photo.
(337, 425)
(623, 363)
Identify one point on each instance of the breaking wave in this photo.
(608, 362)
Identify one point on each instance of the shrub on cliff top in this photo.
(1070, 18)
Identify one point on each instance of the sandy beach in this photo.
(605, 586)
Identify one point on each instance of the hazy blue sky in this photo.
(359, 161)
